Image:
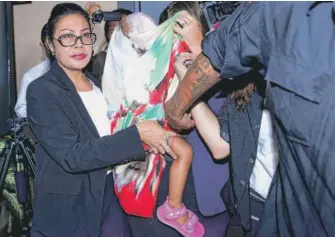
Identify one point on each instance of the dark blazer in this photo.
(71, 158)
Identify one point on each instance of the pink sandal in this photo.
(169, 215)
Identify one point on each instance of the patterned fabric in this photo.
(138, 79)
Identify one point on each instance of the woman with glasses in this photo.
(68, 114)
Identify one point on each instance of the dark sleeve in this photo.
(98, 65)
(233, 46)
(55, 133)
(223, 120)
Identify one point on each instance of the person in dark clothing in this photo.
(247, 139)
(285, 43)
(246, 125)
(75, 147)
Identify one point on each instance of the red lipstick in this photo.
(79, 56)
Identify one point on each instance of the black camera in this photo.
(16, 124)
(99, 16)
(214, 11)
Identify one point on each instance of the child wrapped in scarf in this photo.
(138, 79)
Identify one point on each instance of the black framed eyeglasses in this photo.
(68, 40)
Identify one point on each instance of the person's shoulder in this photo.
(44, 86)
(283, 10)
(41, 83)
(37, 70)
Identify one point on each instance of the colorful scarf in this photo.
(136, 88)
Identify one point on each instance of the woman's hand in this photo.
(182, 64)
(190, 29)
(156, 137)
(91, 7)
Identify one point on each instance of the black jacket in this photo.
(241, 129)
(71, 158)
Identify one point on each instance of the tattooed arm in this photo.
(205, 120)
(227, 53)
(200, 77)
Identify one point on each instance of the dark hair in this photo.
(124, 12)
(193, 8)
(44, 37)
(61, 10)
(243, 96)
(44, 33)
(244, 87)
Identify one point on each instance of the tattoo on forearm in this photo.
(201, 70)
(200, 77)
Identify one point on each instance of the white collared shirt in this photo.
(28, 77)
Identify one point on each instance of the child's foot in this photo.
(181, 219)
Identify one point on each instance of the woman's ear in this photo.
(49, 45)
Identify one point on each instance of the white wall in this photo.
(28, 22)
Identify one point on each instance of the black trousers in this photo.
(256, 208)
(114, 220)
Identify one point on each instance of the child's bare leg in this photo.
(172, 212)
(178, 173)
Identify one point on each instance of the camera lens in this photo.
(97, 16)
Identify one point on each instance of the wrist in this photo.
(170, 111)
(196, 50)
(198, 106)
(140, 129)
